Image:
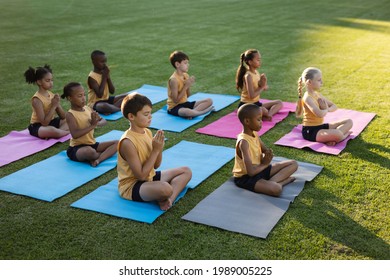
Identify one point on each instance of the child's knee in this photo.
(276, 189)
(187, 171)
(166, 190)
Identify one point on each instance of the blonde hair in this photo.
(307, 74)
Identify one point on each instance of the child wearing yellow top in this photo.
(100, 86)
(140, 153)
(313, 107)
(252, 84)
(179, 90)
(44, 124)
(252, 164)
(82, 122)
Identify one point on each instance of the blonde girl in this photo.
(251, 84)
(48, 117)
(313, 107)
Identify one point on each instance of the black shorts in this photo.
(135, 193)
(34, 127)
(110, 100)
(310, 132)
(71, 151)
(258, 103)
(175, 110)
(248, 182)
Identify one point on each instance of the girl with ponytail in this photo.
(45, 105)
(312, 106)
(251, 84)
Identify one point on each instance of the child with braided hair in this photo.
(312, 106)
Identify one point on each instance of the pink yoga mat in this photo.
(19, 144)
(229, 126)
(360, 121)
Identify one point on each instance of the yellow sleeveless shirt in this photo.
(245, 94)
(46, 101)
(126, 177)
(309, 118)
(92, 97)
(83, 120)
(255, 152)
(180, 81)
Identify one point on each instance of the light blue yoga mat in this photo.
(202, 159)
(162, 120)
(56, 176)
(156, 94)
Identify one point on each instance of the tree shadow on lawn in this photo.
(329, 221)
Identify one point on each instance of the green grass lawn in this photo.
(342, 214)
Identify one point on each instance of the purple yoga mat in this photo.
(360, 121)
(229, 126)
(19, 144)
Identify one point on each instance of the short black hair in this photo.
(96, 53)
(133, 103)
(68, 89)
(177, 56)
(247, 111)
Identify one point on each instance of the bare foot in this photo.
(165, 204)
(267, 118)
(331, 143)
(94, 163)
(287, 181)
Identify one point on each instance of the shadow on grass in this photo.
(329, 221)
(370, 152)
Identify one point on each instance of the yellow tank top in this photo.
(239, 168)
(309, 118)
(126, 177)
(83, 120)
(46, 101)
(92, 97)
(180, 81)
(245, 94)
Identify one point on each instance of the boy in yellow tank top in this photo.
(179, 90)
(100, 86)
(82, 122)
(140, 153)
(252, 164)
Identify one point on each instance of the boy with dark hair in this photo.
(252, 164)
(179, 90)
(140, 153)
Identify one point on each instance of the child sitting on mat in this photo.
(44, 123)
(252, 165)
(100, 86)
(252, 84)
(179, 90)
(82, 122)
(140, 153)
(313, 107)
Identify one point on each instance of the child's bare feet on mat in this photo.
(267, 118)
(94, 163)
(165, 204)
(288, 181)
(331, 143)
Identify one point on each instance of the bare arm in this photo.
(111, 87)
(318, 111)
(176, 95)
(128, 151)
(249, 85)
(38, 108)
(251, 168)
(77, 132)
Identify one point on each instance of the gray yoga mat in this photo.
(242, 211)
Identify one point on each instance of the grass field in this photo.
(342, 214)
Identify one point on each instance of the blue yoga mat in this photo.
(156, 94)
(162, 120)
(56, 176)
(202, 159)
